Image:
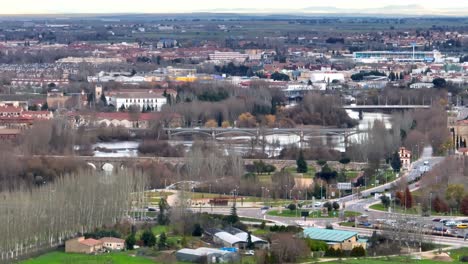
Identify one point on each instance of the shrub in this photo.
(358, 252)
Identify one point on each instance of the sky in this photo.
(183, 6)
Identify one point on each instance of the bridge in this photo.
(385, 107)
(257, 133)
(99, 163)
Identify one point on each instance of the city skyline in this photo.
(187, 6)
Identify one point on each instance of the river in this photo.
(242, 144)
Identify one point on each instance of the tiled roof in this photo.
(90, 242)
(112, 240)
(328, 235)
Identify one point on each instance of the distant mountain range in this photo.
(391, 10)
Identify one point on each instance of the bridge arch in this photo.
(191, 132)
(107, 167)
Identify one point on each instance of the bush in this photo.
(316, 245)
(464, 259)
(148, 238)
(292, 207)
(160, 149)
(358, 252)
(197, 230)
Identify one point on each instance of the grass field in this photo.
(411, 211)
(454, 254)
(111, 258)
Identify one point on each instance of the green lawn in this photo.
(454, 254)
(411, 211)
(309, 174)
(110, 258)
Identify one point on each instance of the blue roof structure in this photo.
(328, 235)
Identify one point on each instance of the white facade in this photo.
(326, 76)
(140, 100)
(228, 56)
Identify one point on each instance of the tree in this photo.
(335, 206)
(211, 123)
(301, 163)
(408, 198)
(162, 241)
(130, 241)
(454, 194)
(385, 201)
(395, 162)
(358, 252)
(45, 107)
(233, 218)
(163, 218)
(250, 244)
(345, 160)
(103, 99)
(197, 230)
(292, 207)
(439, 82)
(122, 108)
(148, 238)
(329, 206)
(464, 206)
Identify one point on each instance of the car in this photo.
(464, 221)
(196, 128)
(249, 253)
(265, 208)
(426, 162)
(367, 224)
(440, 229)
(367, 209)
(462, 226)
(436, 220)
(450, 223)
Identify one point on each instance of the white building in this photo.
(228, 56)
(154, 99)
(326, 76)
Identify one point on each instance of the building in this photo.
(16, 117)
(405, 157)
(9, 134)
(337, 239)
(124, 119)
(228, 56)
(421, 85)
(228, 240)
(258, 242)
(206, 255)
(398, 56)
(153, 99)
(112, 243)
(82, 245)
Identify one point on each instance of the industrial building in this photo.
(398, 56)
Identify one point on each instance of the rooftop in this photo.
(328, 235)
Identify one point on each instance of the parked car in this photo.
(265, 208)
(440, 229)
(436, 220)
(450, 223)
(462, 226)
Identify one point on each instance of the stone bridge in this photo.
(118, 162)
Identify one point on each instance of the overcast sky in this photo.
(161, 6)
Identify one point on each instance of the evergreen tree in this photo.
(130, 241)
(122, 108)
(301, 163)
(148, 238)
(103, 99)
(45, 107)
(250, 244)
(162, 241)
(396, 162)
(233, 217)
